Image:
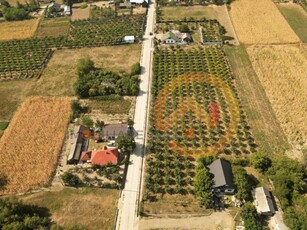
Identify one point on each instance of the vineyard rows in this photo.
(25, 58)
(195, 112)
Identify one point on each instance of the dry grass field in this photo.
(18, 29)
(78, 13)
(59, 76)
(282, 71)
(260, 22)
(30, 146)
(97, 212)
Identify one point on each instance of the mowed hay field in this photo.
(18, 29)
(260, 22)
(30, 146)
(282, 71)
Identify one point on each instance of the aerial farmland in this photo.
(153, 114)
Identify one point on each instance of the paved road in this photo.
(127, 215)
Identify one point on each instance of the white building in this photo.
(138, 2)
(129, 39)
(67, 10)
(175, 37)
(263, 201)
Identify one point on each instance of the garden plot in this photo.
(195, 112)
(282, 71)
(260, 22)
(30, 146)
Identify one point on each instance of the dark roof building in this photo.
(77, 144)
(223, 177)
(111, 131)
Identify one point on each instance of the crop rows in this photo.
(106, 31)
(195, 112)
(210, 32)
(25, 58)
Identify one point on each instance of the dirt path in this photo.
(217, 220)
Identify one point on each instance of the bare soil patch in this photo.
(260, 22)
(32, 143)
(91, 208)
(79, 14)
(18, 29)
(217, 220)
(282, 72)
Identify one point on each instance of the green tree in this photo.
(70, 179)
(14, 14)
(202, 186)
(241, 182)
(99, 124)
(125, 143)
(130, 122)
(84, 66)
(184, 28)
(250, 217)
(136, 69)
(261, 162)
(75, 107)
(87, 121)
(16, 215)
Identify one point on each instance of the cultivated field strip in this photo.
(195, 112)
(30, 146)
(260, 22)
(282, 71)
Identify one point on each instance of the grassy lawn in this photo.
(53, 27)
(264, 125)
(180, 12)
(91, 208)
(296, 17)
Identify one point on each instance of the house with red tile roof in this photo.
(100, 157)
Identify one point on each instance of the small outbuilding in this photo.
(77, 144)
(67, 10)
(263, 201)
(129, 39)
(223, 177)
(112, 131)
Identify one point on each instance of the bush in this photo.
(87, 121)
(70, 179)
(241, 183)
(84, 66)
(250, 217)
(16, 215)
(136, 69)
(261, 162)
(184, 28)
